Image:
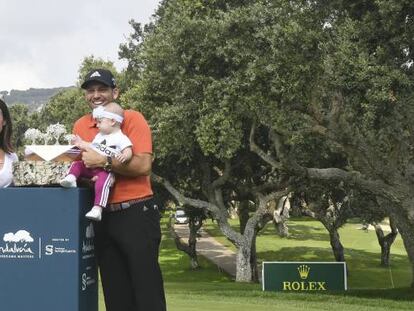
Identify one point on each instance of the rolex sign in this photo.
(304, 276)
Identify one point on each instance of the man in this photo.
(127, 239)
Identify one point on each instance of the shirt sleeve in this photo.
(124, 142)
(138, 131)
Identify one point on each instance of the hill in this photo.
(32, 97)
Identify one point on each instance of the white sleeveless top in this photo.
(6, 172)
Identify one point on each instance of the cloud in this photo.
(45, 41)
(19, 236)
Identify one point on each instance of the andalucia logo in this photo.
(17, 245)
(303, 285)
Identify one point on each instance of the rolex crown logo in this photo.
(303, 271)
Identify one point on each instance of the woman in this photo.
(7, 157)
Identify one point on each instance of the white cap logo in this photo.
(95, 74)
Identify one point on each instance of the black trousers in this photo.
(127, 247)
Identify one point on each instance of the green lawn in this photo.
(207, 289)
(309, 241)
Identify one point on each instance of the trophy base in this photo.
(39, 173)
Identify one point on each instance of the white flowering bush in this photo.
(33, 135)
(69, 138)
(53, 133)
(46, 138)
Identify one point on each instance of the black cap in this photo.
(99, 75)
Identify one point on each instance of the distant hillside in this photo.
(32, 97)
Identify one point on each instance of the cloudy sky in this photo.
(43, 42)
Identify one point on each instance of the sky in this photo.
(43, 42)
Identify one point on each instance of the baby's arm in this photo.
(125, 155)
(80, 143)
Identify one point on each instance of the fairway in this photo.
(309, 241)
(235, 298)
(208, 289)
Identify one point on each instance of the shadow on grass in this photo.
(303, 230)
(364, 269)
(357, 259)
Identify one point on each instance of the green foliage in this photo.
(206, 70)
(367, 61)
(218, 68)
(21, 121)
(64, 108)
(69, 105)
(91, 62)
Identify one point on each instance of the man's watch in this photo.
(108, 164)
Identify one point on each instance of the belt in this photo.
(115, 207)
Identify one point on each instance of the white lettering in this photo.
(16, 249)
(83, 281)
(49, 250)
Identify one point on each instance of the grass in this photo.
(309, 241)
(208, 289)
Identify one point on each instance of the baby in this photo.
(110, 142)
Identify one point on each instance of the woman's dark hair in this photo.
(6, 130)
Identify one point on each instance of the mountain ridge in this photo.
(34, 98)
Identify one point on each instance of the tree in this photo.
(196, 218)
(69, 105)
(65, 108)
(200, 138)
(360, 103)
(334, 76)
(21, 121)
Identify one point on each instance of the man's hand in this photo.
(92, 159)
(120, 157)
(125, 155)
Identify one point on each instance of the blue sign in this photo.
(47, 259)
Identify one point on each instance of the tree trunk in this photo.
(243, 214)
(246, 255)
(253, 262)
(337, 248)
(243, 265)
(385, 241)
(216, 206)
(281, 228)
(194, 226)
(281, 215)
(405, 227)
(189, 249)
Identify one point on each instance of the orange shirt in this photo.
(136, 128)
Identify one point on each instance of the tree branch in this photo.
(220, 181)
(180, 197)
(256, 149)
(355, 178)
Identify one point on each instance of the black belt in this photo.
(115, 207)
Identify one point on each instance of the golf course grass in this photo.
(371, 287)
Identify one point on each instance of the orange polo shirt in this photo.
(136, 128)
